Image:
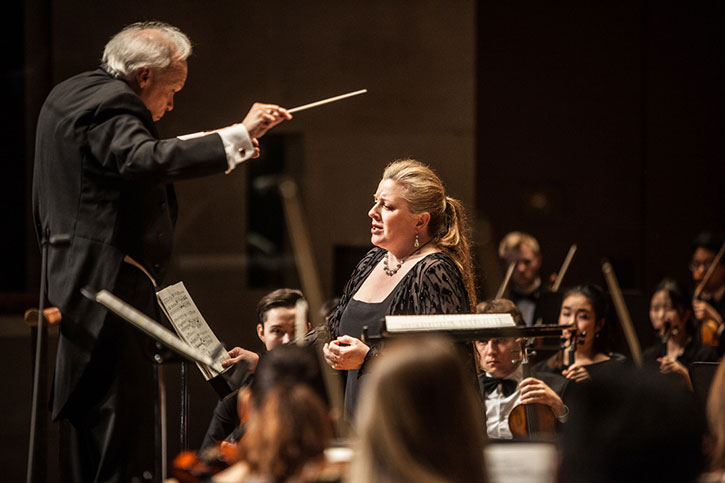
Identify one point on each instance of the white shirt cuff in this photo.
(564, 416)
(237, 143)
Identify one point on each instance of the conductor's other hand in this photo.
(237, 354)
(263, 117)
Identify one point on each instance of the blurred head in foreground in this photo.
(419, 420)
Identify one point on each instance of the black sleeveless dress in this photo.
(357, 315)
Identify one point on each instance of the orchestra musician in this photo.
(289, 424)
(709, 307)
(672, 318)
(276, 316)
(586, 307)
(102, 176)
(419, 418)
(420, 265)
(631, 426)
(502, 382)
(525, 289)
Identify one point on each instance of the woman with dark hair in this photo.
(420, 264)
(586, 307)
(632, 428)
(672, 318)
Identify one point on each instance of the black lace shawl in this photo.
(433, 286)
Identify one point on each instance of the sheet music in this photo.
(188, 322)
(524, 462)
(411, 323)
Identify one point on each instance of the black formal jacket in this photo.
(102, 176)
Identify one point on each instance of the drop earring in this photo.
(417, 242)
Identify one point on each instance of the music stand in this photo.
(165, 337)
(548, 307)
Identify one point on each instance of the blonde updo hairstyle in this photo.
(424, 192)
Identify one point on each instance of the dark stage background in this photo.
(596, 123)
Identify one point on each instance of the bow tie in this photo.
(508, 386)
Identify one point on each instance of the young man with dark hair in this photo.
(276, 316)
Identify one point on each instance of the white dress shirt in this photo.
(498, 407)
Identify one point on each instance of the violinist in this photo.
(672, 318)
(289, 424)
(709, 305)
(583, 355)
(635, 427)
(502, 382)
(523, 250)
(276, 326)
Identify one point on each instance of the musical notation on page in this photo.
(188, 322)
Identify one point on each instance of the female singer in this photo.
(420, 265)
(585, 306)
(672, 318)
(419, 420)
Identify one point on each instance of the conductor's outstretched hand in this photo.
(263, 117)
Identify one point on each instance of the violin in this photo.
(574, 338)
(668, 331)
(197, 466)
(709, 328)
(194, 467)
(531, 421)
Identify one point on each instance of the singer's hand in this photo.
(345, 353)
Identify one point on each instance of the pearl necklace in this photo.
(390, 272)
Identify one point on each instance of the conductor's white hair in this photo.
(135, 47)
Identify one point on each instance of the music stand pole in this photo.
(55, 241)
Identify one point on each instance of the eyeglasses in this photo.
(695, 266)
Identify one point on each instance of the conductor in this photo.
(103, 176)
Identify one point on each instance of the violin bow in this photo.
(624, 319)
(506, 280)
(710, 271)
(564, 268)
